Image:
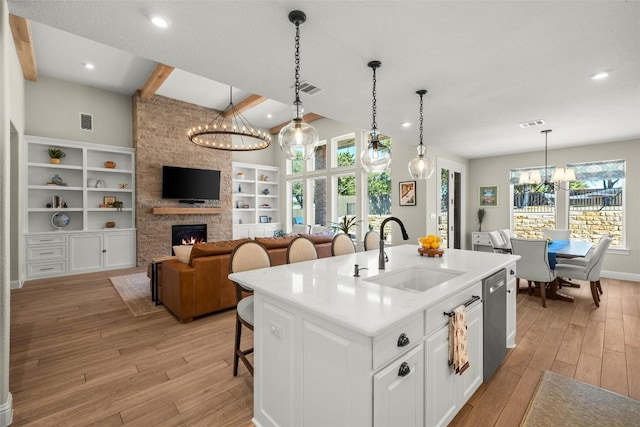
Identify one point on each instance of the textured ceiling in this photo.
(487, 65)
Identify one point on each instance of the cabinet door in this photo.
(120, 249)
(511, 307)
(85, 252)
(398, 391)
(471, 378)
(440, 380)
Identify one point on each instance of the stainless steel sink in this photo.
(415, 279)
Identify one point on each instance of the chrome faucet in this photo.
(405, 236)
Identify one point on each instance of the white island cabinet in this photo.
(334, 349)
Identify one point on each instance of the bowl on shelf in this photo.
(109, 164)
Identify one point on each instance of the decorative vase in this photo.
(109, 164)
(91, 182)
(56, 179)
(54, 161)
(100, 184)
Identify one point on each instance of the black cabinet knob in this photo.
(404, 370)
(403, 340)
(511, 272)
(104, 251)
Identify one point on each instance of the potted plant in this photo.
(345, 224)
(55, 154)
(117, 204)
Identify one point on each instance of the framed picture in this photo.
(264, 218)
(407, 193)
(108, 200)
(489, 196)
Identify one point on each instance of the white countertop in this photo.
(326, 287)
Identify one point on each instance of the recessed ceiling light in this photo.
(159, 22)
(89, 66)
(599, 76)
(269, 116)
(406, 124)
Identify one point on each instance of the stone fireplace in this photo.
(188, 234)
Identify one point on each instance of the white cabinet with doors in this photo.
(78, 191)
(512, 292)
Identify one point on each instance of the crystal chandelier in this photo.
(421, 167)
(377, 156)
(229, 131)
(298, 135)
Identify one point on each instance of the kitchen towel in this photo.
(458, 351)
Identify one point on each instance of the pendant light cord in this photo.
(421, 118)
(297, 73)
(374, 125)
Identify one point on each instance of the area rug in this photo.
(135, 292)
(563, 401)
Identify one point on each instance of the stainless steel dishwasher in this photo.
(494, 297)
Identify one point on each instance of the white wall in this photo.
(54, 108)
(495, 171)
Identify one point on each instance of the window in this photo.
(533, 205)
(318, 161)
(345, 151)
(319, 211)
(346, 195)
(297, 201)
(379, 195)
(596, 201)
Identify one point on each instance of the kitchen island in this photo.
(333, 349)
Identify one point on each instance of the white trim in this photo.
(6, 411)
(16, 284)
(632, 277)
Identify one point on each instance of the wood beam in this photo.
(155, 80)
(246, 104)
(309, 117)
(21, 31)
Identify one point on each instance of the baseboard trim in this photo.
(6, 412)
(16, 284)
(620, 275)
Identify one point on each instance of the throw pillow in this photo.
(183, 252)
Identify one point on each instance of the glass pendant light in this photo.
(298, 136)
(421, 167)
(377, 157)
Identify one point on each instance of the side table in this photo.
(155, 262)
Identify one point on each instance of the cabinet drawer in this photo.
(45, 269)
(46, 239)
(42, 253)
(435, 315)
(480, 239)
(390, 344)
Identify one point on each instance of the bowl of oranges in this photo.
(430, 246)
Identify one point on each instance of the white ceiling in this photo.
(487, 65)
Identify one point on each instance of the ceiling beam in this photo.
(21, 31)
(309, 117)
(246, 104)
(155, 80)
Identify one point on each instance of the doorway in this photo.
(451, 203)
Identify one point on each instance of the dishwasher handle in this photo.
(497, 286)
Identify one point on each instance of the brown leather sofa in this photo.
(202, 286)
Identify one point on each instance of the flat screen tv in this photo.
(190, 184)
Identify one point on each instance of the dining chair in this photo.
(589, 272)
(342, 245)
(533, 265)
(498, 244)
(371, 240)
(556, 233)
(301, 249)
(249, 255)
(507, 234)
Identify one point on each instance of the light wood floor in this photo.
(78, 358)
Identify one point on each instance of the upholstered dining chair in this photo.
(342, 245)
(533, 265)
(507, 234)
(556, 233)
(498, 243)
(246, 256)
(589, 271)
(301, 249)
(371, 240)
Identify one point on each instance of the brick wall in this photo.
(159, 137)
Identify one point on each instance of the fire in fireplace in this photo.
(188, 234)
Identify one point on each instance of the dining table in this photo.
(565, 249)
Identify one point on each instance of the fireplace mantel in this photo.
(186, 211)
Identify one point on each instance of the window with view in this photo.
(533, 205)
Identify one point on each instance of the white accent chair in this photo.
(246, 256)
(498, 244)
(556, 233)
(591, 270)
(342, 245)
(533, 265)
